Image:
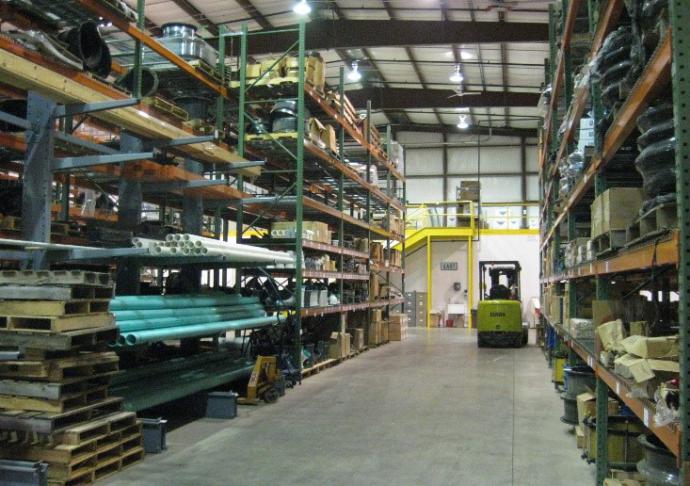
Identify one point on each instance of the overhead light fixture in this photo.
(456, 76)
(354, 75)
(462, 122)
(302, 8)
(465, 55)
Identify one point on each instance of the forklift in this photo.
(499, 312)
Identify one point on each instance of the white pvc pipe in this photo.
(145, 242)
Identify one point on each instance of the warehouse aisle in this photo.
(433, 410)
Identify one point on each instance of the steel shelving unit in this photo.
(311, 183)
(667, 69)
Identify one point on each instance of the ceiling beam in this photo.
(253, 12)
(472, 130)
(403, 98)
(197, 15)
(351, 34)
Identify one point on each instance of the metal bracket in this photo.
(81, 108)
(96, 147)
(69, 163)
(14, 120)
(14, 255)
(180, 185)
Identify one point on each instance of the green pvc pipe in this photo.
(197, 330)
(145, 324)
(149, 302)
(131, 315)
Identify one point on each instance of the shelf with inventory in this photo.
(320, 165)
(314, 245)
(595, 257)
(338, 309)
(318, 104)
(643, 409)
(342, 190)
(651, 83)
(647, 256)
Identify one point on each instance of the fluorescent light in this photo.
(456, 76)
(466, 56)
(354, 75)
(462, 122)
(302, 8)
(462, 109)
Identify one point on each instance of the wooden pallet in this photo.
(67, 402)
(54, 391)
(608, 242)
(55, 292)
(654, 222)
(97, 430)
(37, 342)
(56, 323)
(312, 370)
(55, 277)
(52, 308)
(61, 369)
(48, 423)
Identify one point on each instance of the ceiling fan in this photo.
(460, 92)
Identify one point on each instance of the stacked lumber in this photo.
(54, 400)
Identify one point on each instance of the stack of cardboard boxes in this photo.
(397, 327)
(323, 136)
(339, 345)
(376, 334)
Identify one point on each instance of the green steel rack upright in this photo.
(603, 17)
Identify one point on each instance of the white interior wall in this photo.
(466, 160)
(521, 247)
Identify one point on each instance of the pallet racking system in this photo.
(212, 185)
(667, 68)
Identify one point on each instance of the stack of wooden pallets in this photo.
(54, 402)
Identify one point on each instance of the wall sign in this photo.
(449, 266)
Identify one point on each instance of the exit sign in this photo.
(449, 266)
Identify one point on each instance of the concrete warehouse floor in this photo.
(432, 410)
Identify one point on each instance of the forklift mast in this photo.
(490, 285)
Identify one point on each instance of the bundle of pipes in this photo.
(187, 244)
(149, 318)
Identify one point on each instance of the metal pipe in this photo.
(149, 302)
(144, 324)
(198, 330)
(129, 315)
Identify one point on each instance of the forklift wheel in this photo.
(271, 395)
(481, 343)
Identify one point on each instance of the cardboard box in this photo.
(611, 334)
(335, 346)
(641, 369)
(615, 209)
(385, 327)
(316, 74)
(586, 406)
(357, 339)
(651, 347)
(313, 230)
(317, 132)
(580, 437)
(376, 251)
(346, 344)
(330, 138)
(638, 328)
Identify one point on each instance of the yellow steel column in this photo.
(428, 281)
(470, 281)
